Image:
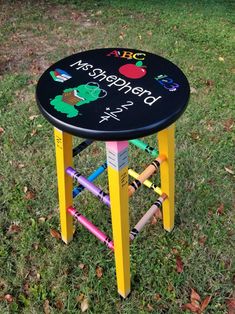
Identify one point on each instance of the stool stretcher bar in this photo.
(89, 186)
(147, 183)
(148, 149)
(143, 221)
(153, 167)
(92, 228)
(78, 149)
(78, 189)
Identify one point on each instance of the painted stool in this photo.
(114, 95)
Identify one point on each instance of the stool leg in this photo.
(166, 145)
(63, 148)
(117, 158)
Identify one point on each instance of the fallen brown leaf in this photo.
(229, 170)
(190, 307)
(41, 219)
(30, 195)
(170, 287)
(99, 271)
(195, 136)
(149, 308)
(1, 130)
(9, 298)
(228, 124)
(195, 296)
(84, 305)
(231, 306)
(33, 117)
(46, 307)
(179, 264)
(55, 234)
(157, 297)
(220, 209)
(175, 251)
(33, 132)
(80, 297)
(35, 246)
(26, 289)
(14, 229)
(81, 266)
(193, 90)
(202, 240)
(195, 299)
(59, 305)
(205, 303)
(209, 83)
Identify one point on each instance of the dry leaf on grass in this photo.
(99, 271)
(179, 264)
(9, 298)
(33, 117)
(55, 234)
(84, 305)
(190, 307)
(231, 306)
(193, 90)
(59, 305)
(196, 306)
(81, 266)
(228, 124)
(1, 130)
(14, 229)
(220, 209)
(29, 195)
(205, 303)
(149, 308)
(46, 307)
(229, 170)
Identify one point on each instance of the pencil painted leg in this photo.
(63, 147)
(117, 157)
(166, 145)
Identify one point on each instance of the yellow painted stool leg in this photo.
(64, 158)
(166, 146)
(117, 158)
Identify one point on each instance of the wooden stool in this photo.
(114, 95)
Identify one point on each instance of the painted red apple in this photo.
(133, 71)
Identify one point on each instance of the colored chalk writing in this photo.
(115, 113)
(127, 54)
(167, 82)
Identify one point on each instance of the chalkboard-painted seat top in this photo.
(112, 94)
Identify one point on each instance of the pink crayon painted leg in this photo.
(117, 158)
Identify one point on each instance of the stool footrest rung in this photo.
(89, 185)
(91, 228)
(78, 149)
(78, 189)
(148, 172)
(142, 145)
(143, 221)
(147, 183)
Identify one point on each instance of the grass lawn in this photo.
(38, 272)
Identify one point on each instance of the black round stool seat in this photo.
(112, 94)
